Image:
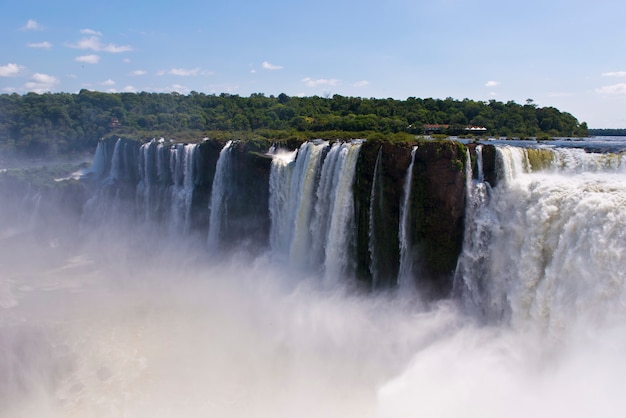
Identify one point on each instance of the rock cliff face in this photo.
(435, 212)
(148, 184)
(438, 207)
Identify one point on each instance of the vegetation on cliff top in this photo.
(62, 123)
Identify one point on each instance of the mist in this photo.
(109, 329)
(118, 319)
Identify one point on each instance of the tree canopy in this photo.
(61, 123)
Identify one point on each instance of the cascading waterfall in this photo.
(117, 161)
(339, 242)
(182, 166)
(374, 210)
(548, 244)
(312, 206)
(480, 175)
(148, 181)
(473, 265)
(218, 206)
(100, 160)
(280, 193)
(302, 200)
(111, 201)
(324, 197)
(109, 325)
(405, 272)
(292, 196)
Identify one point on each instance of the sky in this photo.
(567, 54)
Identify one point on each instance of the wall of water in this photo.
(123, 325)
(546, 244)
(321, 207)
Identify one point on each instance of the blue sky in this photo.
(566, 54)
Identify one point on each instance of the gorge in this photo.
(318, 278)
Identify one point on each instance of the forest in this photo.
(40, 125)
(607, 132)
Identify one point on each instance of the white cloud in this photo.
(320, 82)
(267, 66)
(129, 89)
(361, 83)
(492, 83)
(89, 59)
(184, 72)
(116, 49)
(108, 82)
(614, 74)
(559, 94)
(180, 89)
(138, 72)
(32, 25)
(94, 43)
(126, 60)
(10, 70)
(44, 45)
(614, 89)
(41, 83)
(90, 32)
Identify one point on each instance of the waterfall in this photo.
(218, 206)
(480, 175)
(312, 208)
(100, 160)
(339, 241)
(115, 198)
(473, 265)
(546, 245)
(146, 193)
(280, 196)
(375, 198)
(117, 161)
(292, 196)
(406, 262)
(302, 200)
(183, 169)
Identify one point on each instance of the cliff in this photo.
(170, 186)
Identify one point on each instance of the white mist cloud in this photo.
(492, 83)
(116, 49)
(43, 45)
(267, 66)
(614, 89)
(41, 83)
(184, 72)
(310, 82)
(32, 25)
(94, 43)
(10, 70)
(108, 82)
(138, 73)
(614, 74)
(90, 32)
(361, 83)
(88, 59)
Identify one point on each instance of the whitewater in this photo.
(121, 319)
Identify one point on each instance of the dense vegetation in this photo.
(607, 132)
(62, 123)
